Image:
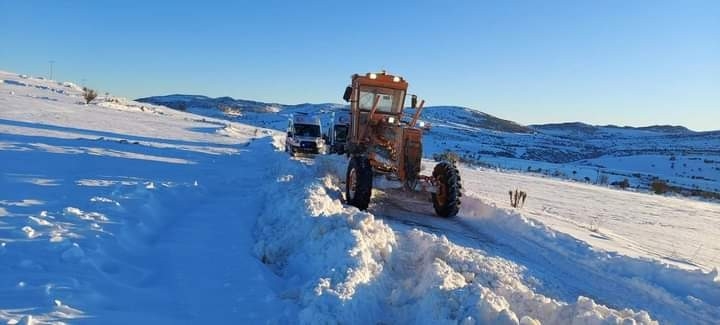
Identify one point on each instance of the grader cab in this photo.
(382, 141)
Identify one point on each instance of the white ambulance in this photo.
(338, 131)
(304, 135)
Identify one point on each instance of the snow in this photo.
(677, 231)
(347, 266)
(690, 160)
(100, 239)
(120, 212)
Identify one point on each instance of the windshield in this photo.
(341, 132)
(307, 130)
(390, 99)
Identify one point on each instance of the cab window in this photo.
(390, 99)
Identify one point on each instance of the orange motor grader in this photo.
(382, 141)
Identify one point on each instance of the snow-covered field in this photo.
(121, 212)
(674, 230)
(690, 160)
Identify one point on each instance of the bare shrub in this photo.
(89, 95)
(659, 186)
(625, 183)
(517, 198)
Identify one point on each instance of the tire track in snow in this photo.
(428, 261)
(565, 272)
(408, 209)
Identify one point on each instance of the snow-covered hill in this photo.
(121, 212)
(689, 161)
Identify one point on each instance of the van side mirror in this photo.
(347, 94)
(413, 101)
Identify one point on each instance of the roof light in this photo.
(373, 76)
(397, 79)
(391, 120)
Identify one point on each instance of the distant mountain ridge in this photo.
(466, 115)
(472, 118)
(587, 128)
(183, 102)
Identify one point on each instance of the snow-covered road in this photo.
(122, 213)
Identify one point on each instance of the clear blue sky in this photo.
(617, 61)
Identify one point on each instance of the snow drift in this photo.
(346, 266)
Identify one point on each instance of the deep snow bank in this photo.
(324, 250)
(672, 293)
(345, 266)
(124, 213)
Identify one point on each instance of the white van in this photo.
(338, 131)
(304, 135)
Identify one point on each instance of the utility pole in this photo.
(51, 69)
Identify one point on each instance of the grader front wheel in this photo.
(446, 200)
(358, 184)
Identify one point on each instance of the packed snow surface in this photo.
(120, 212)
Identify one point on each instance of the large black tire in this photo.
(358, 184)
(447, 199)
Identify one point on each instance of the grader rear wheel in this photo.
(446, 200)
